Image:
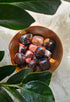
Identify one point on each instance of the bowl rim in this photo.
(32, 27)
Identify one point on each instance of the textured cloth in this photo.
(60, 24)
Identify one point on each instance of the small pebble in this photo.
(40, 52)
(19, 58)
(48, 53)
(32, 47)
(37, 40)
(52, 61)
(26, 39)
(44, 64)
(22, 48)
(32, 65)
(29, 56)
(49, 44)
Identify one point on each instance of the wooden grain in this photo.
(45, 32)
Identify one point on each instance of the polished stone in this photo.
(26, 39)
(37, 40)
(48, 53)
(49, 44)
(32, 47)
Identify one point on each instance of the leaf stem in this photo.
(11, 85)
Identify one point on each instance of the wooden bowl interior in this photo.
(45, 32)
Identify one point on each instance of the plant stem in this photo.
(11, 88)
(11, 85)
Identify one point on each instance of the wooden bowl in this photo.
(45, 32)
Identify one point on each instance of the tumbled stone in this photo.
(44, 64)
(32, 65)
(48, 53)
(37, 40)
(49, 44)
(40, 52)
(52, 61)
(22, 48)
(26, 39)
(28, 52)
(32, 47)
(19, 58)
(29, 56)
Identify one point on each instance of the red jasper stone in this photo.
(29, 56)
(32, 47)
(22, 48)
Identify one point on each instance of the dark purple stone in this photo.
(32, 65)
(49, 44)
(19, 58)
(44, 64)
(26, 39)
(40, 52)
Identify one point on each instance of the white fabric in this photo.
(60, 23)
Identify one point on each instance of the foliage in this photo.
(34, 87)
(67, 0)
(1, 55)
(14, 15)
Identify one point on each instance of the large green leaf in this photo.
(14, 17)
(17, 0)
(42, 6)
(44, 76)
(16, 94)
(1, 55)
(6, 71)
(67, 0)
(17, 78)
(36, 91)
(4, 97)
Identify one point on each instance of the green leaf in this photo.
(40, 6)
(67, 0)
(1, 55)
(44, 76)
(18, 77)
(16, 94)
(14, 17)
(4, 96)
(17, 0)
(36, 91)
(6, 71)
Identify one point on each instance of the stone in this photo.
(48, 53)
(40, 52)
(19, 58)
(32, 47)
(49, 44)
(26, 39)
(38, 40)
(22, 48)
(52, 61)
(32, 65)
(44, 64)
(29, 56)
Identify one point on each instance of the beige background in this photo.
(60, 23)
